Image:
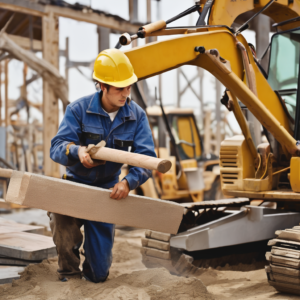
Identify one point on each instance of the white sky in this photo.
(83, 46)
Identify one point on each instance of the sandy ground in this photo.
(130, 280)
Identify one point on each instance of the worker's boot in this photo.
(67, 237)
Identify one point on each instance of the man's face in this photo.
(116, 97)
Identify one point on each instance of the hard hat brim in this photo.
(119, 84)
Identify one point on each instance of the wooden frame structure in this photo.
(35, 27)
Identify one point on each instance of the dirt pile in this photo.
(40, 282)
(130, 280)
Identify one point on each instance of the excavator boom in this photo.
(159, 57)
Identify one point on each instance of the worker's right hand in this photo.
(86, 159)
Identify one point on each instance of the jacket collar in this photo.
(125, 112)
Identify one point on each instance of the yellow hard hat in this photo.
(113, 67)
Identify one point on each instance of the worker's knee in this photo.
(94, 278)
(65, 230)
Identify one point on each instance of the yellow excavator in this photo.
(269, 172)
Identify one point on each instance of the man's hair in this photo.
(105, 84)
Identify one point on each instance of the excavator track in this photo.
(156, 250)
(283, 271)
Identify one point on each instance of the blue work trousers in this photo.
(98, 243)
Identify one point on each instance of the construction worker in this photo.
(108, 115)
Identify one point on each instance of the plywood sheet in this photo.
(92, 203)
(12, 226)
(26, 246)
(7, 274)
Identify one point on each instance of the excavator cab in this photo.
(283, 72)
(192, 176)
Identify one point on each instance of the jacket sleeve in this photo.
(69, 131)
(142, 144)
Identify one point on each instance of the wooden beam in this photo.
(23, 6)
(25, 42)
(92, 203)
(50, 101)
(94, 18)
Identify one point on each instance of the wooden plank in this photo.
(94, 18)
(11, 226)
(283, 261)
(25, 42)
(8, 274)
(26, 246)
(92, 203)
(23, 6)
(288, 244)
(16, 262)
(155, 244)
(50, 101)
(158, 235)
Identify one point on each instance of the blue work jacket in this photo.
(85, 122)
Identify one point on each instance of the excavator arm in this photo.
(226, 65)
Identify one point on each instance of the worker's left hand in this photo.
(120, 190)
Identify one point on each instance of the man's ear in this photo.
(102, 86)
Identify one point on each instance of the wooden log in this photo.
(26, 246)
(132, 159)
(93, 203)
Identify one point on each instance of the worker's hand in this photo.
(86, 159)
(120, 190)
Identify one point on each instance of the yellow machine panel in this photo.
(236, 163)
(295, 174)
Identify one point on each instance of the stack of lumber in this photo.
(284, 269)
(21, 245)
